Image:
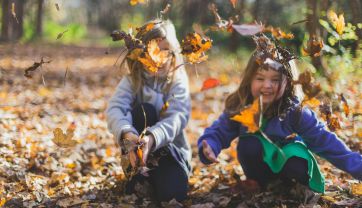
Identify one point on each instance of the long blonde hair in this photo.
(243, 97)
(162, 29)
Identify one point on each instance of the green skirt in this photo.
(276, 157)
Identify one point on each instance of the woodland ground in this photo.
(34, 172)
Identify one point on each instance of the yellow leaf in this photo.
(357, 189)
(337, 21)
(148, 63)
(249, 116)
(154, 58)
(43, 91)
(135, 2)
(2, 201)
(64, 140)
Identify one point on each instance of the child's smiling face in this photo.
(266, 83)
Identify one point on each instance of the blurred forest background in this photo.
(79, 71)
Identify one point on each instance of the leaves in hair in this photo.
(210, 83)
(130, 42)
(194, 47)
(250, 116)
(278, 34)
(141, 31)
(222, 24)
(337, 21)
(314, 47)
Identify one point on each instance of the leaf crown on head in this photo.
(270, 55)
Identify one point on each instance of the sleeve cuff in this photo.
(158, 135)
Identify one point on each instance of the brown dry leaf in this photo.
(65, 140)
(314, 47)
(333, 123)
(57, 7)
(34, 67)
(337, 21)
(60, 35)
(222, 24)
(310, 88)
(249, 116)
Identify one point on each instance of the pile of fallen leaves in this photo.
(66, 99)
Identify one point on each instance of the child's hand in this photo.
(148, 141)
(207, 151)
(131, 137)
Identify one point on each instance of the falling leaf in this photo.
(193, 47)
(13, 12)
(57, 7)
(34, 67)
(312, 102)
(135, 2)
(314, 47)
(333, 123)
(234, 2)
(250, 116)
(164, 107)
(278, 33)
(141, 31)
(210, 83)
(222, 24)
(60, 35)
(65, 140)
(154, 58)
(310, 88)
(248, 29)
(337, 21)
(345, 104)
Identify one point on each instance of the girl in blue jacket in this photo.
(269, 74)
(159, 95)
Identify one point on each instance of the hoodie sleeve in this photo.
(327, 145)
(175, 117)
(219, 136)
(118, 113)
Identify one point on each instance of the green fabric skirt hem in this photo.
(276, 157)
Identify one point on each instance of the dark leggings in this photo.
(250, 155)
(168, 180)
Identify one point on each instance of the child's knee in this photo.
(249, 147)
(296, 168)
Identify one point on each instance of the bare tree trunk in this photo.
(39, 19)
(313, 29)
(16, 23)
(256, 10)
(356, 8)
(5, 20)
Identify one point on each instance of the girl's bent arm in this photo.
(119, 117)
(327, 144)
(219, 136)
(176, 116)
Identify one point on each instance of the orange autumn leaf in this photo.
(65, 140)
(154, 57)
(135, 2)
(344, 104)
(333, 123)
(250, 116)
(145, 28)
(234, 2)
(210, 83)
(312, 102)
(193, 47)
(278, 33)
(337, 21)
(140, 155)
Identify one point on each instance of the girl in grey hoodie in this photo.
(159, 95)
